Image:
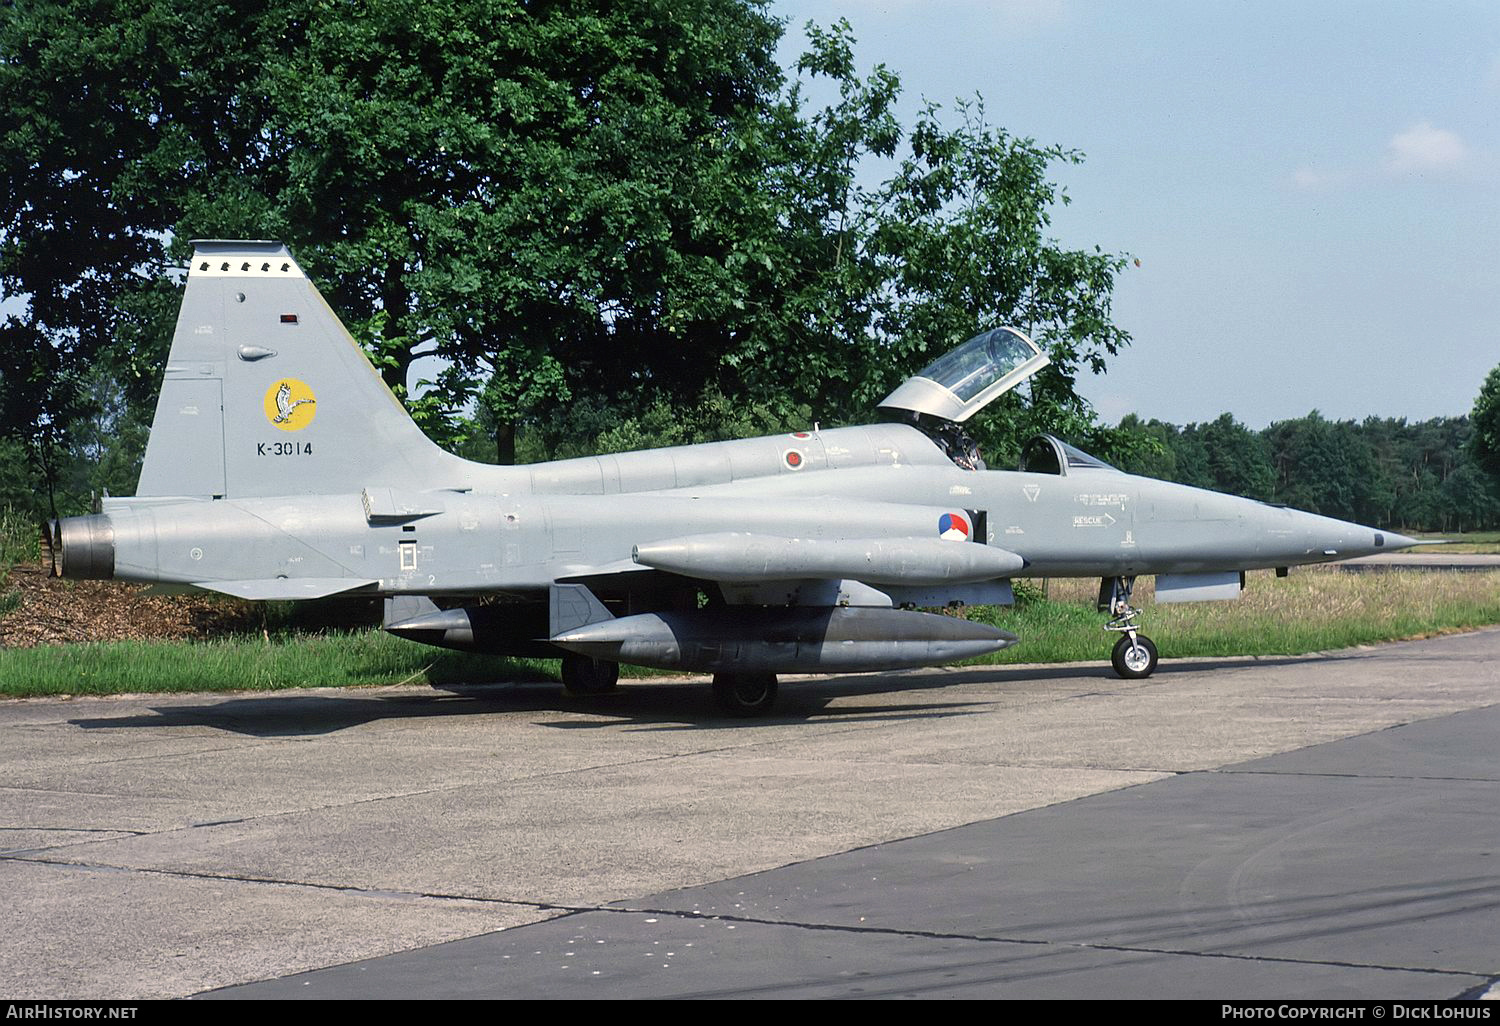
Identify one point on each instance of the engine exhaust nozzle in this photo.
(81, 548)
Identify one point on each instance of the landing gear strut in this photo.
(1134, 656)
(745, 694)
(584, 676)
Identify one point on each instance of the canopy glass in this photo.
(962, 382)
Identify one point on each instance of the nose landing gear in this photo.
(1134, 655)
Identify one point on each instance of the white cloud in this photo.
(1423, 149)
(1312, 179)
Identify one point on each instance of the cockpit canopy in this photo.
(1048, 454)
(964, 381)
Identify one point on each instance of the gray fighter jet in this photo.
(280, 467)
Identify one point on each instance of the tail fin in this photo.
(265, 392)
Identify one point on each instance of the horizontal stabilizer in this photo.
(751, 557)
(286, 588)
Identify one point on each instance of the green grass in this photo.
(366, 658)
(1314, 610)
(1311, 611)
(363, 658)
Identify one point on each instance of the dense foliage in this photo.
(1484, 443)
(1392, 473)
(583, 209)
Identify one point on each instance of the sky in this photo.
(1312, 189)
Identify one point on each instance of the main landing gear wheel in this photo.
(745, 694)
(1134, 657)
(584, 676)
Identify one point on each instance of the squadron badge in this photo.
(290, 405)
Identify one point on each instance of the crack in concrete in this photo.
(374, 892)
(79, 830)
(570, 909)
(1082, 945)
(1346, 776)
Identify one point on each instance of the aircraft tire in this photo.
(1131, 665)
(582, 675)
(745, 694)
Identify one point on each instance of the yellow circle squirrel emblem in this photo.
(290, 405)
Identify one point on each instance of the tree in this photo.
(500, 182)
(1469, 497)
(105, 109)
(1239, 462)
(1484, 444)
(572, 205)
(1153, 454)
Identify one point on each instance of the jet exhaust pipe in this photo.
(773, 639)
(80, 548)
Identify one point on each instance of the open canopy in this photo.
(964, 381)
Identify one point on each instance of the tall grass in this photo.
(20, 539)
(20, 542)
(1313, 610)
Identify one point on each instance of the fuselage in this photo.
(520, 529)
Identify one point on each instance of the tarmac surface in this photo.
(1317, 826)
(1423, 559)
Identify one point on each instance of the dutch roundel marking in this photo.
(801, 436)
(954, 527)
(793, 458)
(290, 404)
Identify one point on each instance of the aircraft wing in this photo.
(286, 588)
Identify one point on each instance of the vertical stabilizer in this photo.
(266, 393)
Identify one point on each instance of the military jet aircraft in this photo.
(280, 467)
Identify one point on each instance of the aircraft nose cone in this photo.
(1396, 541)
(1324, 538)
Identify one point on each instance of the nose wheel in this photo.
(1134, 655)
